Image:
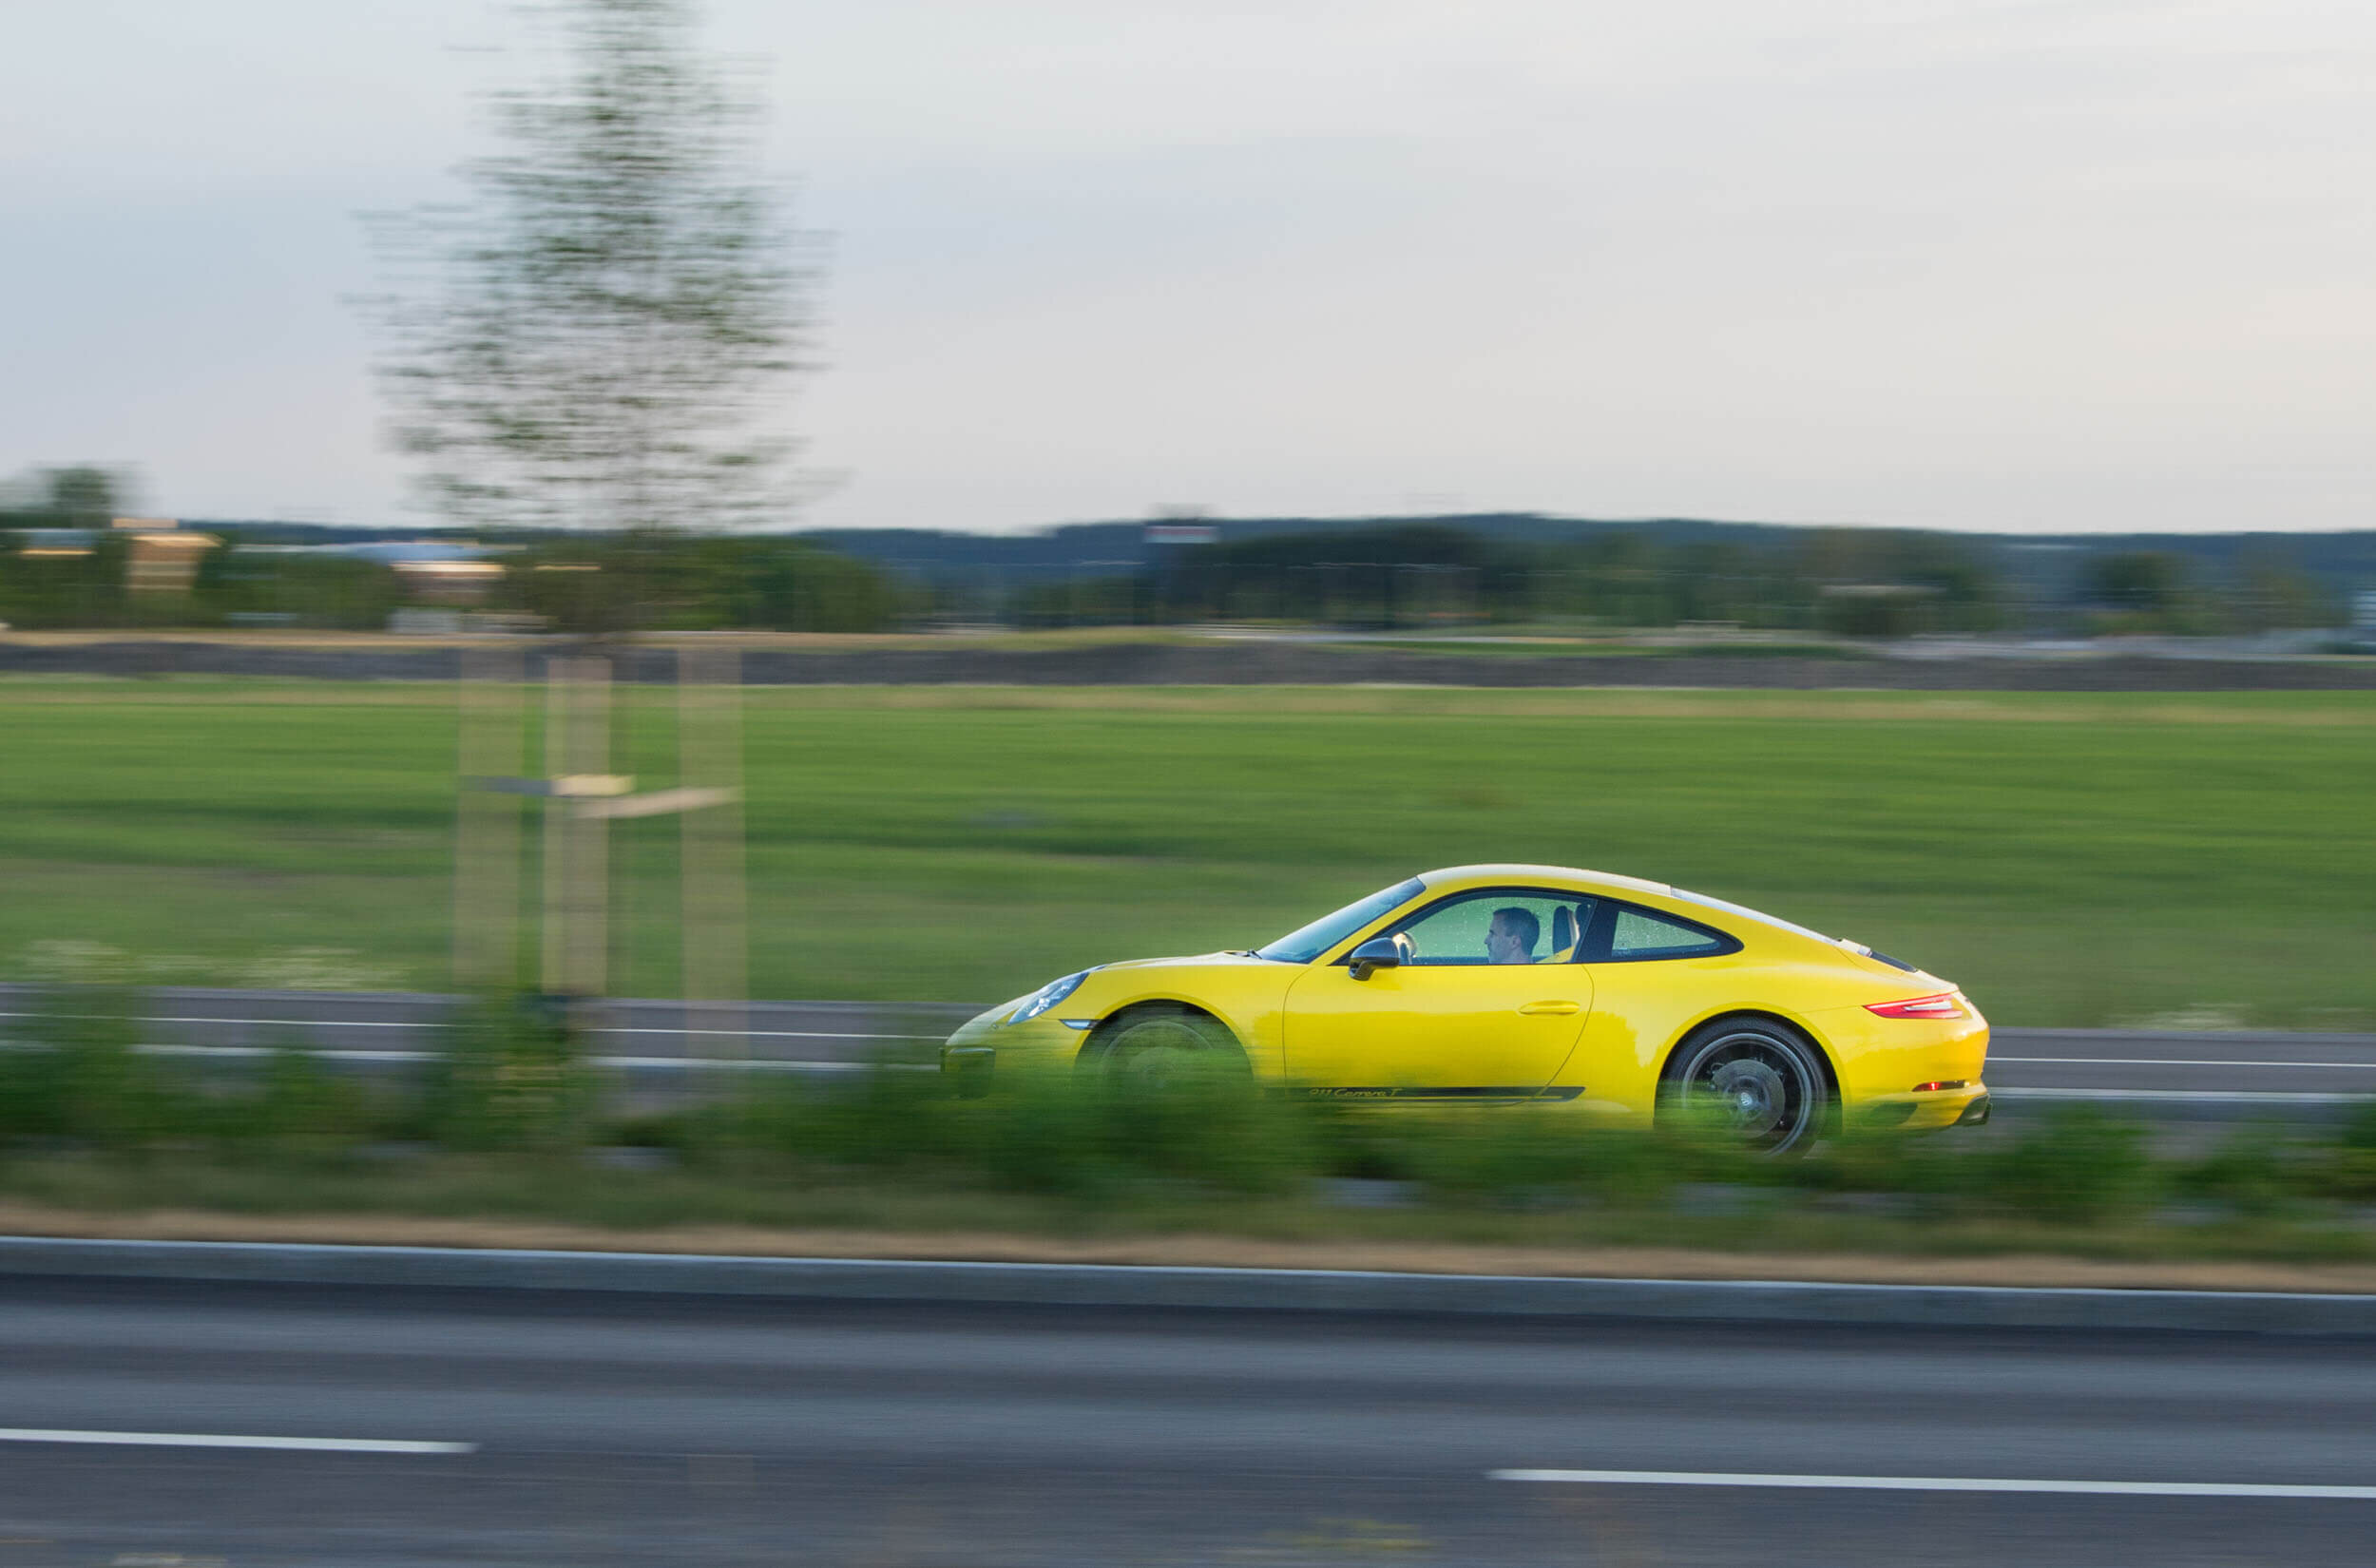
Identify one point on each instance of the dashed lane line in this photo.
(1941, 1484)
(213, 1440)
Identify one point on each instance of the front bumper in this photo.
(988, 1045)
(967, 1069)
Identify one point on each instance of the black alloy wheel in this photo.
(1753, 1082)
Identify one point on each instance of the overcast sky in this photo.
(1932, 262)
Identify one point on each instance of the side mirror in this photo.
(1379, 953)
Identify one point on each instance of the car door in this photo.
(1454, 1020)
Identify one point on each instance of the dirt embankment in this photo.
(1191, 664)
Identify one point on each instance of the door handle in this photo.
(1534, 1009)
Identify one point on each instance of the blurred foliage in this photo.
(2163, 592)
(44, 589)
(1837, 582)
(238, 585)
(73, 497)
(2146, 591)
(576, 584)
(1843, 582)
(511, 1077)
(698, 583)
(1064, 1135)
(73, 1074)
(1822, 582)
(2079, 1165)
(513, 1086)
(597, 335)
(76, 1076)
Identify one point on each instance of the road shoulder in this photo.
(23, 1222)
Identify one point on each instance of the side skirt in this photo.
(1472, 1094)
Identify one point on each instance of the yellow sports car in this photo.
(1620, 998)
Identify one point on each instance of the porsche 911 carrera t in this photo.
(1620, 998)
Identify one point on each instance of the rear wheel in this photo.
(1751, 1082)
(1159, 1049)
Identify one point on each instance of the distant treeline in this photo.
(62, 565)
(1386, 574)
(571, 585)
(1524, 567)
(1837, 582)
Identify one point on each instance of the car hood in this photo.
(1197, 961)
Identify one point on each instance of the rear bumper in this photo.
(1931, 1110)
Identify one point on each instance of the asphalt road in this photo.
(658, 1430)
(2174, 1075)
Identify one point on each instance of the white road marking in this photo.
(278, 1023)
(1941, 1484)
(239, 1053)
(2170, 1061)
(2244, 1097)
(690, 1063)
(431, 1024)
(209, 1440)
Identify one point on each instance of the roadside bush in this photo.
(2079, 1164)
(293, 1105)
(2258, 1171)
(2346, 1168)
(76, 1076)
(1520, 1153)
(511, 1077)
(512, 1080)
(1056, 1134)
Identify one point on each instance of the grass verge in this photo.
(2072, 859)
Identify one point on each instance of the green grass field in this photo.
(2070, 859)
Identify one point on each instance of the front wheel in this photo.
(1156, 1050)
(1753, 1083)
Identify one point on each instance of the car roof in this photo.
(1451, 878)
(1700, 905)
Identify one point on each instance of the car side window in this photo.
(1636, 934)
(1497, 925)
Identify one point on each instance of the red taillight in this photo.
(1938, 1083)
(1946, 1004)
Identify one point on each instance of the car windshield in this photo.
(1302, 947)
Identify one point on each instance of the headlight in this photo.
(1045, 997)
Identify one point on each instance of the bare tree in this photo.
(598, 338)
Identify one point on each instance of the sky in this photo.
(2056, 265)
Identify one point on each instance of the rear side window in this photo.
(1630, 935)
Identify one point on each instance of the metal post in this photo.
(577, 871)
(487, 824)
(716, 925)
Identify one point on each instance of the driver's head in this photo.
(1511, 937)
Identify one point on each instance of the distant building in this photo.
(164, 556)
(54, 543)
(160, 556)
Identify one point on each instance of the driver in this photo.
(1511, 937)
